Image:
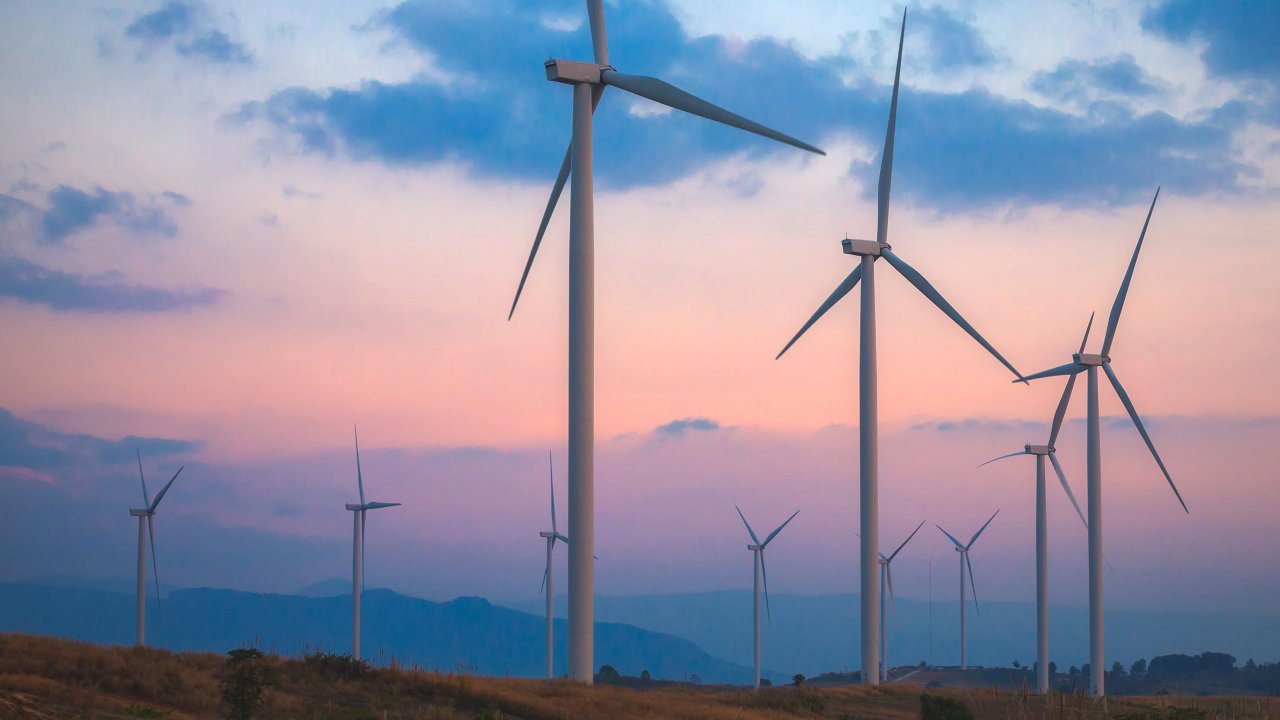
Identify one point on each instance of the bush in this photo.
(244, 682)
(343, 667)
(937, 707)
(608, 674)
(797, 679)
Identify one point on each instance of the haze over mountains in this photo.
(672, 636)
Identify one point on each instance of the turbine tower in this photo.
(886, 581)
(589, 80)
(1089, 364)
(551, 537)
(357, 551)
(146, 528)
(965, 563)
(757, 549)
(868, 426)
(1040, 452)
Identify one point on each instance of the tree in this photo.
(1139, 667)
(797, 679)
(766, 682)
(245, 679)
(1053, 667)
(644, 676)
(1117, 669)
(1250, 666)
(1084, 671)
(695, 678)
(608, 673)
(1017, 664)
(1074, 671)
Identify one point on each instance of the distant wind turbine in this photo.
(868, 426)
(589, 80)
(1040, 452)
(146, 527)
(966, 564)
(757, 549)
(1089, 364)
(551, 537)
(886, 581)
(357, 551)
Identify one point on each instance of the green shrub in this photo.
(937, 707)
(245, 679)
(343, 667)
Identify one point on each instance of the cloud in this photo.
(677, 428)
(951, 43)
(1085, 82)
(25, 281)
(186, 27)
(71, 210)
(495, 115)
(29, 445)
(1239, 37)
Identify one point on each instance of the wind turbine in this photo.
(146, 527)
(963, 549)
(551, 537)
(589, 80)
(886, 581)
(357, 550)
(868, 427)
(757, 548)
(1040, 452)
(1089, 364)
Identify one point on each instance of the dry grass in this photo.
(48, 679)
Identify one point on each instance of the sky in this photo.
(229, 231)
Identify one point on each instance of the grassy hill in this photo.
(53, 679)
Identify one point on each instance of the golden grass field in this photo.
(45, 678)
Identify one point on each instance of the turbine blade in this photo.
(359, 474)
(379, 505)
(754, 539)
(764, 573)
(552, 470)
(545, 571)
(886, 158)
(972, 586)
(556, 189)
(1118, 306)
(775, 532)
(915, 278)
(1002, 457)
(146, 499)
(1061, 413)
(364, 568)
(599, 41)
(1068, 369)
(667, 94)
(1137, 421)
(156, 503)
(1062, 478)
(155, 569)
(981, 529)
(949, 535)
(1087, 328)
(888, 577)
(841, 290)
(894, 554)
(564, 539)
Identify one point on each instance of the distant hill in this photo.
(465, 634)
(327, 588)
(814, 634)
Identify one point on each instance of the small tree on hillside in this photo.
(608, 674)
(1053, 668)
(797, 679)
(1117, 669)
(1139, 667)
(244, 682)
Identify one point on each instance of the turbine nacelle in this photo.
(140, 512)
(1089, 360)
(546, 534)
(870, 248)
(572, 72)
(1038, 449)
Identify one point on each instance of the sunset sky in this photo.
(230, 230)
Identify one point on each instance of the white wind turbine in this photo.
(146, 527)
(551, 537)
(1040, 452)
(868, 426)
(966, 564)
(886, 582)
(757, 549)
(357, 551)
(589, 80)
(1089, 364)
